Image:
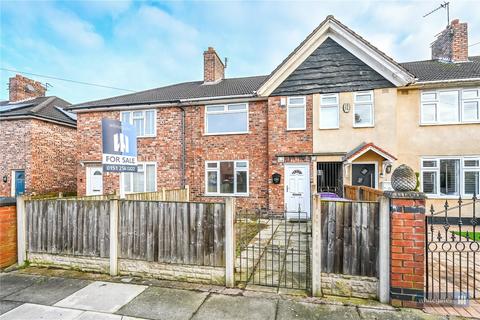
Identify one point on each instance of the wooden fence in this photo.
(68, 227)
(350, 237)
(173, 232)
(362, 193)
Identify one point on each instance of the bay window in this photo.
(296, 113)
(143, 121)
(144, 180)
(450, 106)
(364, 109)
(452, 176)
(226, 177)
(226, 119)
(329, 111)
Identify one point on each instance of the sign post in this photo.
(119, 145)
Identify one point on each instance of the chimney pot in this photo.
(213, 67)
(22, 88)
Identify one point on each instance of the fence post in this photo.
(21, 231)
(188, 192)
(317, 247)
(229, 242)
(384, 251)
(114, 213)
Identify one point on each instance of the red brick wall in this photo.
(46, 151)
(282, 141)
(164, 149)
(14, 143)
(407, 252)
(251, 147)
(8, 236)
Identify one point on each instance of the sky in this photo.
(141, 45)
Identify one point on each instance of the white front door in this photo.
(94, 181)
(297, 191)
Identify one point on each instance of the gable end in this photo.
(331, 68)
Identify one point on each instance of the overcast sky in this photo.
(141, 45)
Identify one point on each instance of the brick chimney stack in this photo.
(213, 67)
(451, 44)
(22, 88)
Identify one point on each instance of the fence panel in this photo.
(72, 227)
(350, 237)
(173, 232)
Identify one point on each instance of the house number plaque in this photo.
(346, 107)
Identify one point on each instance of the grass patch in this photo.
(245, 232)
(473, 236)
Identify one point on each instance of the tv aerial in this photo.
(445, 5)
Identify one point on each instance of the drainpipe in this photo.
(182, 179)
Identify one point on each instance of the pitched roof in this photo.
(364, 148)
(182, 91)
(48, 108)
(432, 70)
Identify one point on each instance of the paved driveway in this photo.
(32, 297)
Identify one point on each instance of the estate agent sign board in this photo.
(119, 143)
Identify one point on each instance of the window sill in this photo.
(448, 123)
(224, 195)
(365, 126)
(449, 197)
(226, 133)
(299, 129)
(333, 128)
(140, 137)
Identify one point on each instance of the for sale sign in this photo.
(119, 142)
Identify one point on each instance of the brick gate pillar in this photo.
(407, 248)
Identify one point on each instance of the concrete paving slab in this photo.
(288, 310)
(48, 291)
(30, 311)
(11, 283)
(164, 303)
(102, 296)
(371, 314)
(233, 307)
(91, 315)
(8, 305)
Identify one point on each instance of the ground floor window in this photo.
(451, 176)
(226, 177)
(144, 180)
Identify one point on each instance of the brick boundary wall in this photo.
(8, 232)
(407, 249)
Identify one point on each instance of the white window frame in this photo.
(461, 178)
(359, 103)
(324, 105)
(130, 117)
(217, 170)
(436, 101)
(297, 105)
(144, 164)
(225, 111)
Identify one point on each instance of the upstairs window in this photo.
(143, 121)
(226, 119)
(363, 106)
(226, 177)
(329, 111)
(296, 113)
(450, 106)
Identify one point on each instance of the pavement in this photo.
(61, 295)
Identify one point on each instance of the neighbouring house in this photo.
(37, 141)
(336, 111)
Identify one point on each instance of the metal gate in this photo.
(452, 254)
(273, 251)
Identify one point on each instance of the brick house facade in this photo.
(249, 119)
(38, 143)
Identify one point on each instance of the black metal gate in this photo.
(272, 250)
(452, 253)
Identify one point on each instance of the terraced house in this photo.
(337, 111)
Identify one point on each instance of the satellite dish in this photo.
(30, 88)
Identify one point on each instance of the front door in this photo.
(364, 174)
(297, 191)
(19, 182)
(94, 181)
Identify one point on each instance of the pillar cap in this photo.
(414, 195)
